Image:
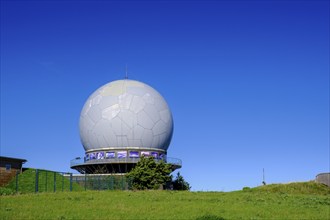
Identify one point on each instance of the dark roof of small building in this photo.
(2, 158)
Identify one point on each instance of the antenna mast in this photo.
(263, 176)
(126, 76)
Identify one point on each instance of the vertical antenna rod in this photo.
(126, 76)
(263, 176)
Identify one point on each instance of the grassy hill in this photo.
(308, 188)
(306, 200)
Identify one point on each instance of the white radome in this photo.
(125, 114)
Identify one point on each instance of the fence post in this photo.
(108, 182)
(46, 181)
(62, 182)
(112, 182)
(17, 182)
(54, 182)
(99, 182)
(122, 182)
(85, 182)
(70, 182)
(37, 180)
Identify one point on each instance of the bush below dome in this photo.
(149, 174)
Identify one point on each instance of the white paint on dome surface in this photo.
(124, 114)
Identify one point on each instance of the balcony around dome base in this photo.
(114, 166)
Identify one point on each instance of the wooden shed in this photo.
(9, 167)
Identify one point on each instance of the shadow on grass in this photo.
(210, 217)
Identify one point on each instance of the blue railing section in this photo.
(80, 161)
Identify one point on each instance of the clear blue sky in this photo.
(247, 81)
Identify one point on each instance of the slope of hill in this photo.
(309, 188)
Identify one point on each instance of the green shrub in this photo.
(180, 184)
(149, 174)
(246, 188)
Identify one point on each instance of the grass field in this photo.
(306, 200)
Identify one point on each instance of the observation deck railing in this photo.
(80, 161)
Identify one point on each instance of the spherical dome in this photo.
(125, 114)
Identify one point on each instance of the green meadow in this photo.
(307, 200)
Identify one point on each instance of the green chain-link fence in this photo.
(36, 180)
